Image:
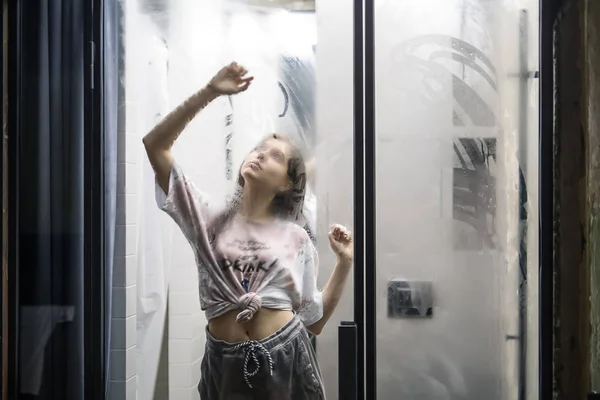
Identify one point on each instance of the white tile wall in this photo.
(123, 390)
(122, 363)
(125, 237)
(183, 302)
(123, 379)
(185, 326)
(124, 302)
(124, 273)
(123, 332)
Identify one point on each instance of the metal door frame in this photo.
(358, 373)
(94, 281)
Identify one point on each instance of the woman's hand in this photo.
(340, 239)
(231, 79)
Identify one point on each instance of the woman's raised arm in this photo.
(231, 79)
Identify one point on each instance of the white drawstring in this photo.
(250, 347)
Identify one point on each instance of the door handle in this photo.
(347, 359)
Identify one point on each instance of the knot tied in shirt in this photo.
(250, 303)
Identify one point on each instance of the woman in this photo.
(257, 268)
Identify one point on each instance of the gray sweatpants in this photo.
(281, 367)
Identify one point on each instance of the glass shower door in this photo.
(456, 199)
(302, 90)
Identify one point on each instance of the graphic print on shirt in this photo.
(248, 261)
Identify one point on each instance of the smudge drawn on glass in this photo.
(286, 99)
(228, 143)
(298, 86)
(474, 181)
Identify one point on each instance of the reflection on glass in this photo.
(37, 325)
(49, 259)
(474, 194)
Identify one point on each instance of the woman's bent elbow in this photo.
(146, 142)
(315, 329)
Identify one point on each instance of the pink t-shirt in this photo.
(250, 264)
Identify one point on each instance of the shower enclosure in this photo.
(422, 118)
(420, 121)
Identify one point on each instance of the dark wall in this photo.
(577, 200)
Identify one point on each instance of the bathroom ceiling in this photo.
(292, 5)
(157, 6)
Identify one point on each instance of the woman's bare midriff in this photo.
(264, 323)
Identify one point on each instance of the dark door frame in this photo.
(364, 327)
(548, 14)
(4, 203)
(11, 144)
(94, 339)
(358, 374)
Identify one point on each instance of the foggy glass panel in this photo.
(335, 168)
(171, 49)
(456, 176)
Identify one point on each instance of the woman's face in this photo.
(267, 166)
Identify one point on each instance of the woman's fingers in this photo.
(245, 83)
(238, 69)
(238, 72)
(340, 233)
(244, 86)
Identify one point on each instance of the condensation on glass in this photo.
(456, 126)
(171, 49)
(456, 98)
